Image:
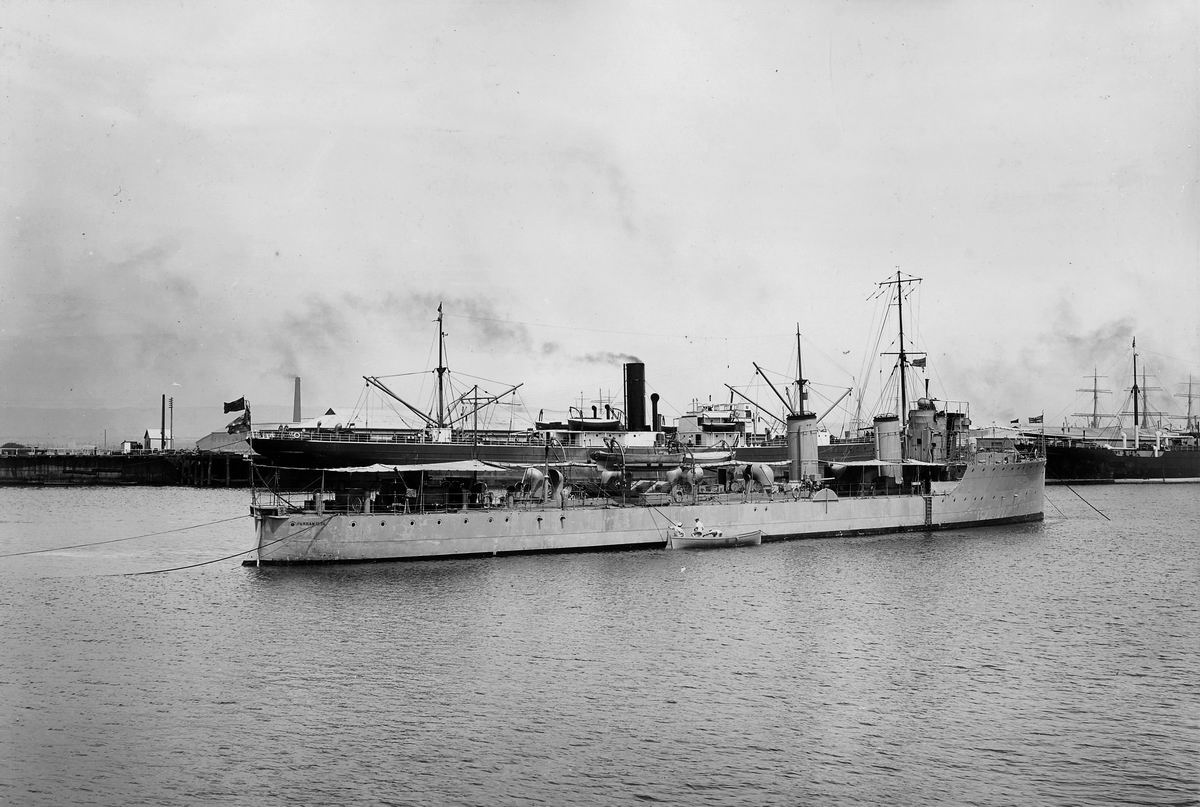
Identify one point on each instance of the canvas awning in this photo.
(456, 467)
(877, 463)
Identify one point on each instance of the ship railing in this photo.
(268, 502)
(367, 502)
(874, 490)
(499, 437)
(868, 439)
(761, 440)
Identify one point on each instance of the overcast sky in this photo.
(207, 199)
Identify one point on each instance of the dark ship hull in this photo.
(1081, 463)
(350, 450)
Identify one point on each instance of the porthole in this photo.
(353, 524)
(382, 524)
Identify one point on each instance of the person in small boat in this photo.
(698, 528)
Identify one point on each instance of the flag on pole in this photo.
(1037, 419)
(235, 406)
(240, 424)
(1015, 421)
(918, 362)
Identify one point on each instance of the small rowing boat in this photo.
(700, 538)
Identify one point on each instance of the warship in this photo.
(925, 474)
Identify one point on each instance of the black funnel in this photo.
(635, 396)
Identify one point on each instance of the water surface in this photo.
(1050, 663)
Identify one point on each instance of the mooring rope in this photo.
(1055, 506)
(1085, 501)
(127, 538)
(190, 565)
(669, 520)
(229, 557)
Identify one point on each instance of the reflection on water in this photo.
(1050, 663)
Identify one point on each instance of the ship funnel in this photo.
(887, 445)
(635, 396)
(802, 447)
(296, 403)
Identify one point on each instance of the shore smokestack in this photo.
(296, 403)
(635, 396)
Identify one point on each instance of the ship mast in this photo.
(441, 372)
(800, 379)
(1145, 398)
(1189, 423)
(1094, 417)
(902, 358)
(1135, 390)
(1189, 399)
(1095, 398)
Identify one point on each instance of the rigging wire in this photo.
(403, 375)
(867, 366)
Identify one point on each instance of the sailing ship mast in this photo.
(1190, 423)
(1095, 390)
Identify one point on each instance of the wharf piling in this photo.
(184, 468)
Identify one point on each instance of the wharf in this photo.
(183, 468)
